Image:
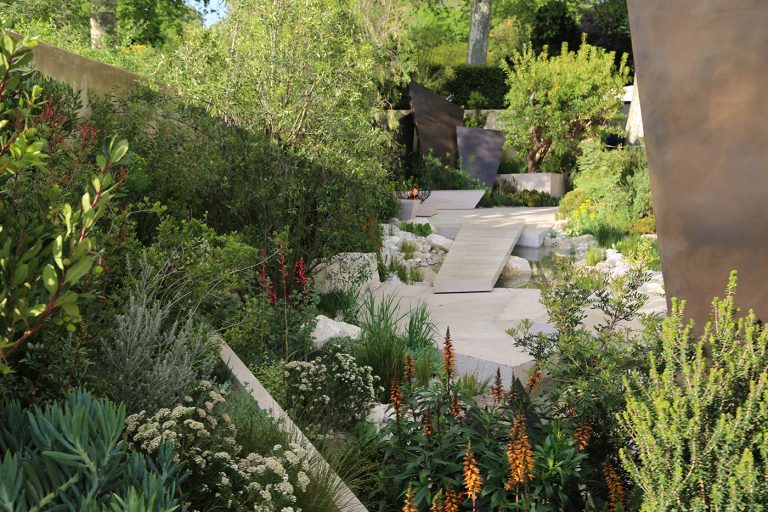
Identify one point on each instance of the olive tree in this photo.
(557, 102)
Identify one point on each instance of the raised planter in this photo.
(243, 379)
(408, 209)
(453, 199)
(549, 182)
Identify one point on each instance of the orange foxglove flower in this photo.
(497, 390)
(449, 357)
(473, 482)
(534, 378)
(409, 370)
(520, 462)
(452, 501)
(615, 489)
(582, 435)
(396, 399)
(409, 505)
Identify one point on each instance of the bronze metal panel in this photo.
(436, 120)
(480, 152)
(703, 70)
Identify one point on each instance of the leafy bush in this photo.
(698, 421)
(594, 255)
(417, 228)
(48, 246)
(556, 102)
(488, 82)
(205, 439)
(384, 347)
(150, 359)
(512, 458)
(431, 174)
(584, 368)
(332, 390)
(69, 456)
(529, 198)
(636, 248)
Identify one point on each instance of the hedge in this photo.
(490, 81)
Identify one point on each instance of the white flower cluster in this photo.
(331, 386)
(204, 441)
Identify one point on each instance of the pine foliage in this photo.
(699, 422)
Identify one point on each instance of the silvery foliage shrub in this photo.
(332, 389)
(151, 359)
(221, 476)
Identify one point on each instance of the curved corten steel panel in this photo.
(436, 120)
(703, 66)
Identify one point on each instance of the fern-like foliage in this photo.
(69, 456)
(699, 421)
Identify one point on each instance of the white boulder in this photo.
(516, 266)
(348, 269)
(327, 329)
(439, 242)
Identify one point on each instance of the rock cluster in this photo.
(428, 252)
(328, 329)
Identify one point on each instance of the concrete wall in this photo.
(90, 77)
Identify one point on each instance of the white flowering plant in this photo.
(332, 389)
(220, 475)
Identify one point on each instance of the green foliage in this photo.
(556, 102)
(636, 248)
(331, 390)
(428, 436)
(613, 188)
(221, 474)
(417, 228)
(487, 81)
(585, 367)
(594, 255)
(698, 421)
(152, 358)
(69, 456)
(408, 248)
(46, 245)
(531, 198)
(272, 376)
(554, 24)
(431, 174)
(384, 346)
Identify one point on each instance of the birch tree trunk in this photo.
(103, 22)
(479, 30)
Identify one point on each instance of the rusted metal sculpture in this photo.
(704, 68)
(436, 120)
(480, 151)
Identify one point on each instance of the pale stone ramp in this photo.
(478, 255)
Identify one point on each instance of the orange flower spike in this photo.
(409, 370)
(426, 425)
(497, 390)
(452, 501)
(457, 411)
(582, 435)
(396, 399)
(615, 489)
(438, 502)
(449, 357)
(409, 505)
(473, 482)
(534, 378)
(520, 461)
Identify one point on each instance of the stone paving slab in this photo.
(478, 255)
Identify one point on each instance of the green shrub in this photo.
(643, 226)
(151, 359)
(431, 174)
(571, 202)
(556, 102)
(272, 376)
(585, 366)
(594, 255)
(331, 390)
(385, 347)
(486, 82)
(433, 428)
(408, 248)
(697, 422)
(221, 475)
(48, 246)
(70, 456)
(417, 228)
(636, 248)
